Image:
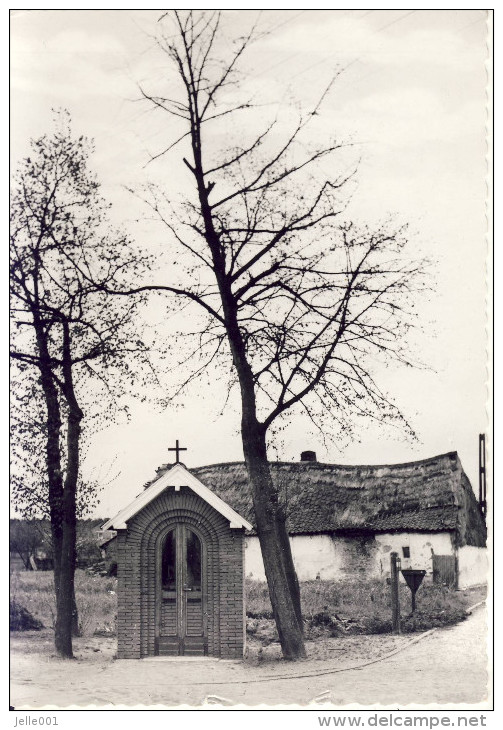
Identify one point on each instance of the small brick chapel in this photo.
(180, 569)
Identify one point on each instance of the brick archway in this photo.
(151, 546)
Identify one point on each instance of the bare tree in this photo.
(72, 347)
(300, 300)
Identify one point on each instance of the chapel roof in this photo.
(173, 478)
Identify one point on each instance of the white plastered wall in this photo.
(343, 557)
(312, 555)
(422, 545)
(472, 566)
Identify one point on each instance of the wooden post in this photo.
(482, 474)
(395, 601)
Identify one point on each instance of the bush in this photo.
(20, 619)
(422, 620)
(263, 629)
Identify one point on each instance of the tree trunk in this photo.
(275, 545)
(66, 593)
(54, 470)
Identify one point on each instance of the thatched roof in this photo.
(432, 495)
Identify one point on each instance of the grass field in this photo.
(329, 608)
(96, 599)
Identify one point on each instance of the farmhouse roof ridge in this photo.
(325, 464)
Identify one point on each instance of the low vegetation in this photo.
(95, 595)
(358, 607)
(330, 608)
(20, 619)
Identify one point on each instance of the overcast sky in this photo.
(412, 99)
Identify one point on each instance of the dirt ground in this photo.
(444, 667)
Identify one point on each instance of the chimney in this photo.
(308, 456)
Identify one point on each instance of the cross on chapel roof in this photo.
(177, 448)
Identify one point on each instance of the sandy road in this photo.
(447, 667)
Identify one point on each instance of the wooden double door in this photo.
(181, 629)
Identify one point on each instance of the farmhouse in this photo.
(344, 521)
(183, 545)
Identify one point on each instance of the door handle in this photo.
(186, 588)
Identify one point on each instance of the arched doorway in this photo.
(181, 594)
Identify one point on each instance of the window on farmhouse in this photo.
(406, 552)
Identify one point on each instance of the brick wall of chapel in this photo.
(137, 550)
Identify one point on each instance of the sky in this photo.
(411, 99)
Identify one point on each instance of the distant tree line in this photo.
(29, 539)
